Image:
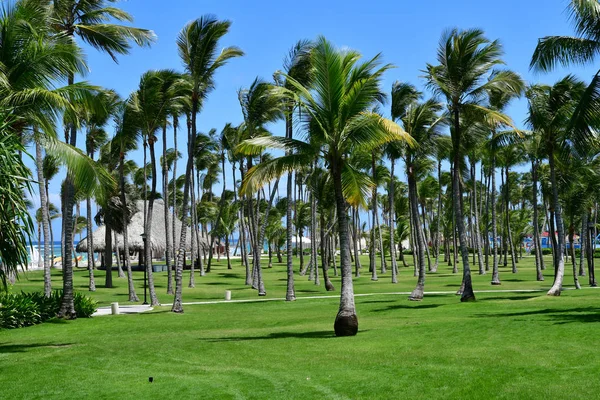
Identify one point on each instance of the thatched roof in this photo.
(135, 229)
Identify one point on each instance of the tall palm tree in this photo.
(550, 111)
(88, 20)
(297, 65)
(338, 104)
(463, 76)
(581, 49)
(198, 49)
(422, 122)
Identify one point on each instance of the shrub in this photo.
(25, 309)
(17, 311)
(546, 251)
(84, 306)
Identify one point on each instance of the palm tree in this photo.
(89, 21)
(297, 65)
(581, 49)
(197, 44)
(550, 111)
(422, 122)
(464, 74)
(338, 103)
(403, 94)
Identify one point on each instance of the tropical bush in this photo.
(18, 310)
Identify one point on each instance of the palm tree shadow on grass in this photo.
(329, 334)
(559, 317)
(408, 307)
(22, 348)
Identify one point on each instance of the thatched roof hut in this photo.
(135, 229)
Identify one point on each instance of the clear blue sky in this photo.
(405, 32)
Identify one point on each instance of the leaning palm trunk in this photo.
(90, 246)
(391, 225)
(130, 285)
(148, 228)
(495, 275)
(120, 272)
(356, 240)
(584, 222)
(324, 245)
(477, 235)
(45, 220)
(381, 248)
(313, 218)
(439, 217)
(346, 322)
(417, 293)
(372, 248)
(572, 253)
(560, 251)
(165, 185)
(536, 233)
(177, 300)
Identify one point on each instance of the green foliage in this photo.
(18, 310)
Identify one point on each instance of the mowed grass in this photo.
(213, 285)
(505, 345)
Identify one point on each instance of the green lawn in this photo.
(505, 345)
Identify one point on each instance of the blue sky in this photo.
(405, 32)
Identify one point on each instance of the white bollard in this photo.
(114, 308)
(228, 295)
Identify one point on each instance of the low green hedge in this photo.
(18, 310)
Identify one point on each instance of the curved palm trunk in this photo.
(177, 300)
(148, 229)
(130, 286)
(165, 186)
(391, 225)
(346, 321)
(560, 250)
(477, 235)
(356, 240)
(45, 220)
(536, 232)
(513, 256)
(495, 274)
(439, 219)
(582, 242)
(372, 248)
(417, 293)
(572, 253)
(90, 244)
(328, 285)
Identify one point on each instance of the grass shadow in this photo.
(407, 307)
(559, 317)
(527, 297)
(21, 348)
(278, 335)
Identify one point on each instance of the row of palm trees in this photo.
(335, 139)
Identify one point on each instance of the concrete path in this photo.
(123, 309)
(134, 309)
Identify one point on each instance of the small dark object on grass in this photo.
(151, 379)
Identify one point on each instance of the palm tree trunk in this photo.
(372, 248)
(513, 256)
(590, 255)
(165, 187)
(583, 242)
(131, 288)
(417, 293)
(90, 244)
(108, 256)
(290, 293)
(560, 261)
(120, 272)
(148, 229)
(346, 321)
(45, 219)
(67, 307)
(477, 235)
(313, 231)
(467, 286)
(328, 285)
(356, 241)
(174, 211)
(536, 232)
(572, 253)
(495, 274)
(439, 218)
(392, 221)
